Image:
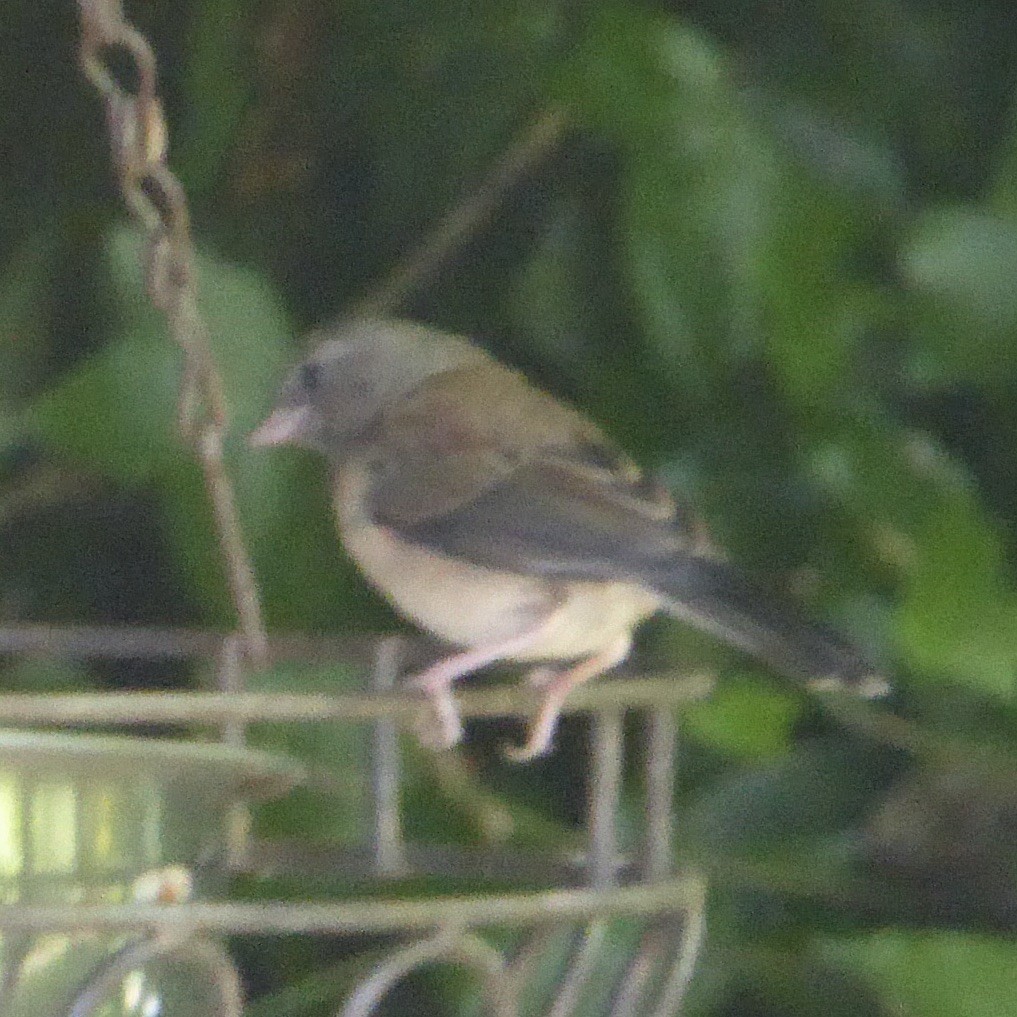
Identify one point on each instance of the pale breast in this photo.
(469, 605)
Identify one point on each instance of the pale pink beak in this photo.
(280, 428)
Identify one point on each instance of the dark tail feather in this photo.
(715, 597)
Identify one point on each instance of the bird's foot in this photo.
(556, 686)
(441, 727)
(436, 682)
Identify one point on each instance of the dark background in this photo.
(775, 255)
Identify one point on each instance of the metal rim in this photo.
(254, 774)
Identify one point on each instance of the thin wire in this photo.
(581, 966)
(117, 642)
(537, 866)
(197, 952)
(672, 997)
(448, 945)
(628, 1000)
(230, 679)
(534, 145)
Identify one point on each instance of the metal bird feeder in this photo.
(115, 852)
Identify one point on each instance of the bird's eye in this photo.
(310, 376)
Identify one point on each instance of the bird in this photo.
(508, 525)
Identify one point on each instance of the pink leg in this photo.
(556, 691)
(436, 681)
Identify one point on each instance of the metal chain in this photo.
(156, 200)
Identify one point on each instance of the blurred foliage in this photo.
(775, 255)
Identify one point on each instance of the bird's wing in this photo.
(488, 469)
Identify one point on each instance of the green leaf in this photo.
(935, 974)
(483, 70)
(959, 262)
(811, 796)
(696, 184)
(744, 719)
(964, 256)
(958, 615)
(117, 411)
(917, 509)
(1003, 185)
(40, 674)
(815, 312)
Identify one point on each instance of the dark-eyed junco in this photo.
(509, 525)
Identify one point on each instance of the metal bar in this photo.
(117, 642)
(605, 792)
(209, 958)
(215, 708)
(386, 768)
(372, 916)
(230, 682)
(448, 945)
(558, 867)
(661, 753)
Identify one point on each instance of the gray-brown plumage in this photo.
(507, 524)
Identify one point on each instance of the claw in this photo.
(448, 731)
(556, 688)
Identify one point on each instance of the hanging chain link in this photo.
(156, 200)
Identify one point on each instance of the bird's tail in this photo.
(716, 597)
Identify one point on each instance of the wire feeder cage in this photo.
(588, 891)
(163, 929)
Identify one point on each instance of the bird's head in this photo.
(358, 369)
